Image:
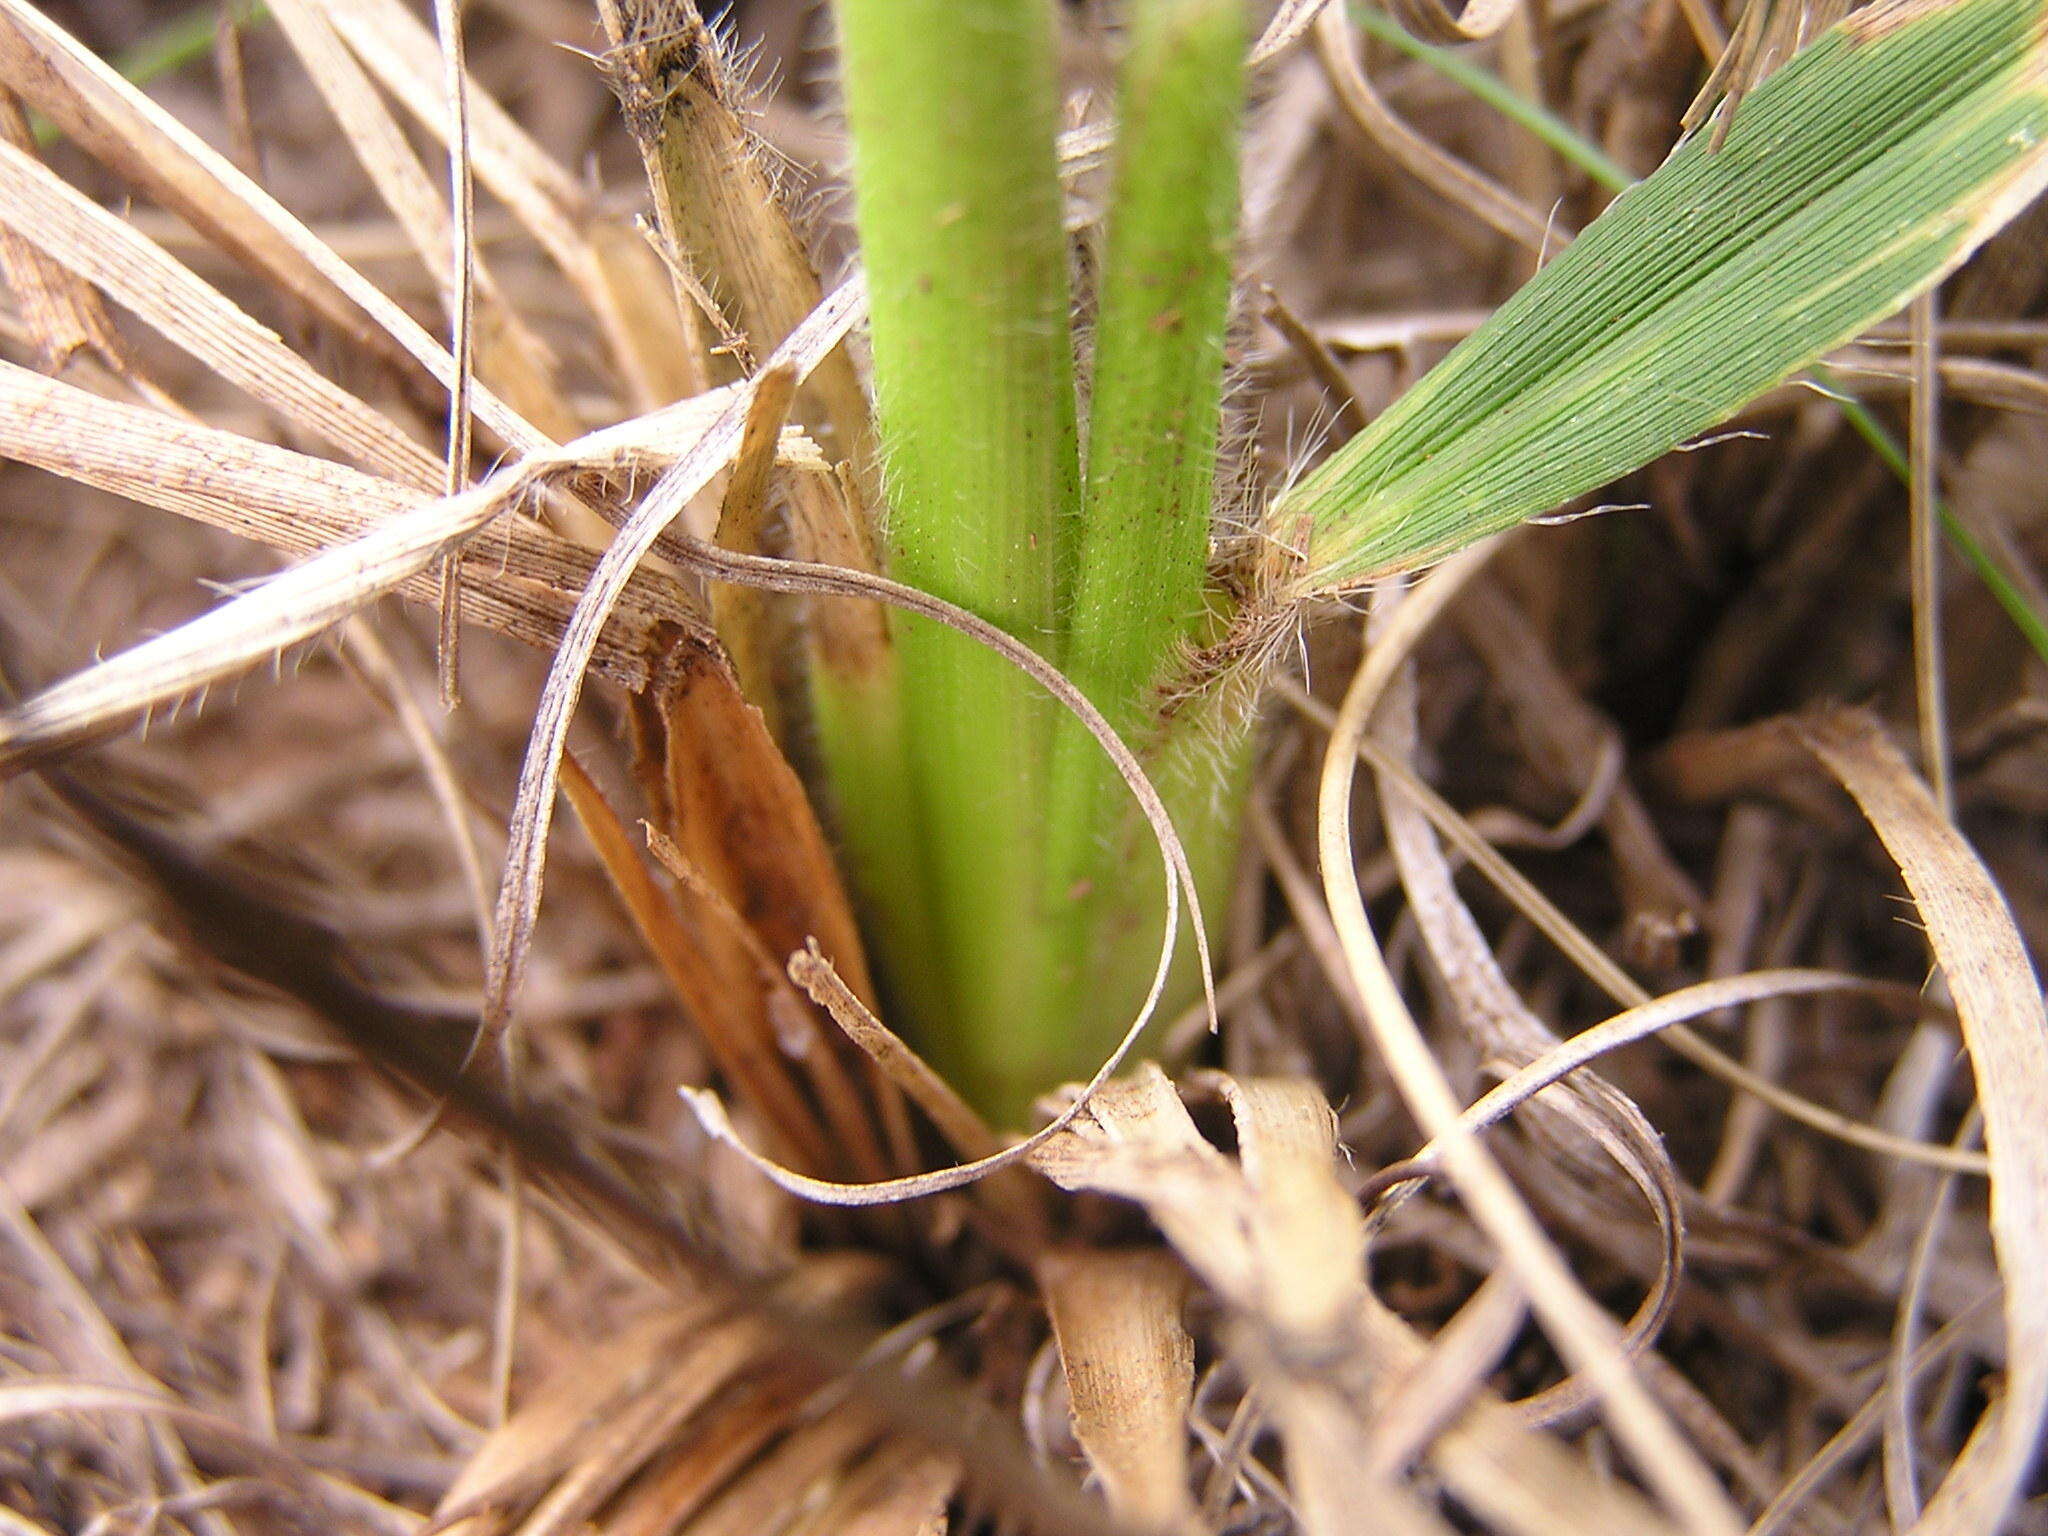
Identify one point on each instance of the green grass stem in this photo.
(1571, 146)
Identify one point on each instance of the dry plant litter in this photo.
(338, 1194)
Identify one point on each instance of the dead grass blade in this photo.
(720, 212)
(287, 609)
(511, 357)
(139, 140)
(797, 576)
(741, 615)
(1769, 737)
(1568, 1056)
(952, 1116)
(299, 505)
(604, 258)
(1291, 21)
(79, 235)
(295, 502)
(740, 815)
(784, 1018)
(461, 289)
(61, 313)
(1998, 1001)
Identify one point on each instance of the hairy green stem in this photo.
(953, 106)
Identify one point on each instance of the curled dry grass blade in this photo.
(1591, 1129)
(1583, 1333)
(1180, 882)
(1600, 967)
(1854, 178)
(1998, 1000)
(519, 891)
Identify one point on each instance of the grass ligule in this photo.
(1853, 179)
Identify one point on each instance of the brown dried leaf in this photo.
(526, 853)
(741, 816)
(712, 981)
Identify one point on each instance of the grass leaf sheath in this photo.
(953, 106)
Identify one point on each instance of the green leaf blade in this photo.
(1853, 179)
